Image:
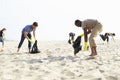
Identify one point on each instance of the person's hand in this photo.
(81, 35)
(35, 38)
(3, 37)
(30, 41)
(85, 46)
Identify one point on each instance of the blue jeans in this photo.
(1, 40)
(22, 40)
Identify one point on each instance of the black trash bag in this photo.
(77, 45)
(35, 48)
(104, 37)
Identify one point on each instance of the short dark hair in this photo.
(78, 22)
(3, 29)
(71, 34)
(113, 34)
(35, 23)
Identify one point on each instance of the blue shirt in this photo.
(27, 28)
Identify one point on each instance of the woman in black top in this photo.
(2, 36)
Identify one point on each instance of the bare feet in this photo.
(1, 50)
(93, 51)
(91, 57)
(18, 50)
(93, 54)
(29, 50)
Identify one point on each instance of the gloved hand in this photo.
(35, 38)
(30, 41)
(3, 37)
(81, 35)
(85, 46)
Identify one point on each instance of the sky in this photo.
(56, 17)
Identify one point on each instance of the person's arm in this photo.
(34, 35)
(3, 36)
(25, 35)
(85, 35)
(86, 32)
(85, 39)
(89, 31)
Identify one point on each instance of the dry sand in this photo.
(57, 62)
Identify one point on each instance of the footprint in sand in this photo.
(68, 73)
(111, 78)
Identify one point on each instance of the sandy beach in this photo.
(57, 62)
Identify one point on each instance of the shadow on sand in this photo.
(50, 59)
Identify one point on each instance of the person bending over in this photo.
(26, 33)
(90, 26)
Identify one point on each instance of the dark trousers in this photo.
(22, 40)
